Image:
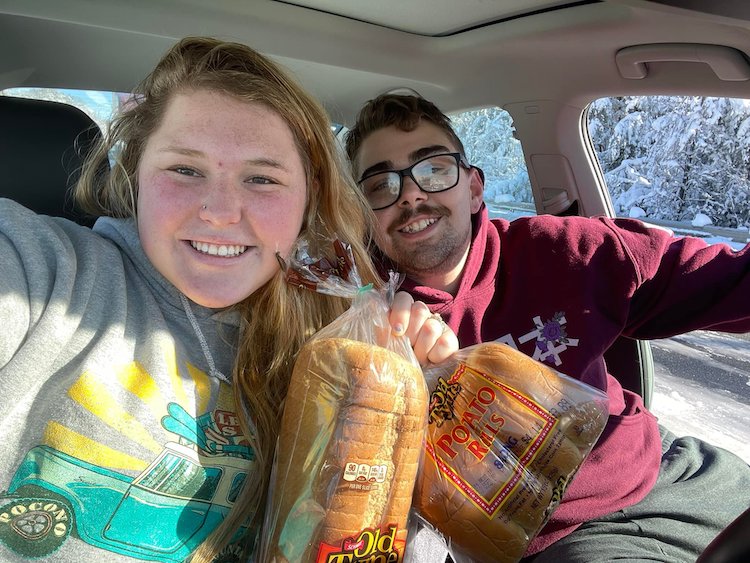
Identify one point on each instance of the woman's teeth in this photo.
(418, 226)
(229, 250)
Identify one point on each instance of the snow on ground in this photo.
(692, 411)
(701, 220)
(702, 388)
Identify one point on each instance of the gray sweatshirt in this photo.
(118, 443)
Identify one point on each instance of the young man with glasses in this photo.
(562, 290)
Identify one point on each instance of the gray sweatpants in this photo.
(700, 489)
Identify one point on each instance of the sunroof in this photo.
(429, 17)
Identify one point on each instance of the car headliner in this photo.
(460, 54)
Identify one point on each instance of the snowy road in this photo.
(702, 388)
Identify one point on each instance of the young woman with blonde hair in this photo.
(148, 359)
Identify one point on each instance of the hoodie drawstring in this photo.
(213, 372)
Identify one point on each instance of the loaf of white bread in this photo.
(350, 445)
(506, 435)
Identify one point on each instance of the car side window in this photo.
(678, 161)
(487, 135)
(99, 106)
(681, 162)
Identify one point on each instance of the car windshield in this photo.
(176, 476)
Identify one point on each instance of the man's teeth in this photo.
(417, 226)
(219, 249)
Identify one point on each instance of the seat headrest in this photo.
(42, 148)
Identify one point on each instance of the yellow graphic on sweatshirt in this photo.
(136, 379)
(65, 439)
(95, 393)
(203, 389)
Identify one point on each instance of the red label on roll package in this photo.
(370, 546)
(477, 421)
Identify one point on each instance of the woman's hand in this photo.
(433, 340)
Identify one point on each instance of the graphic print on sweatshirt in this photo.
(551, 339)
(73, 485)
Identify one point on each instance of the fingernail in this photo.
(398, 329)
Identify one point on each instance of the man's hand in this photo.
(433, 340)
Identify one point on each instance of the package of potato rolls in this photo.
(353, 428)
(506, 435)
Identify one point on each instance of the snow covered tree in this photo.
(675, 157)
(487, 135)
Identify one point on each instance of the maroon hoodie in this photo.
(561, 290)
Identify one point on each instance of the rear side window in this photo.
(487, 135)
(99, 106)
(681, 161)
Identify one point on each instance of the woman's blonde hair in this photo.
(278, 318)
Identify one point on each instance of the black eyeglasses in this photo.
(432, 174)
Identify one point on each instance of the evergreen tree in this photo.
(675, 157)
(487, 135)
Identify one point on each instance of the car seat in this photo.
(630, 361)
(42, 147)
(732, 545)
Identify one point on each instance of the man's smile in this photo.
(419, 225)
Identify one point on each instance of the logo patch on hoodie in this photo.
(550, 336)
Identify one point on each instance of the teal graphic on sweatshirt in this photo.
(162, 514)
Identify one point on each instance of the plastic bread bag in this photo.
(506, 435)
(353, 429)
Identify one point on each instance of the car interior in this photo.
(543, 61)
(43, 144)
